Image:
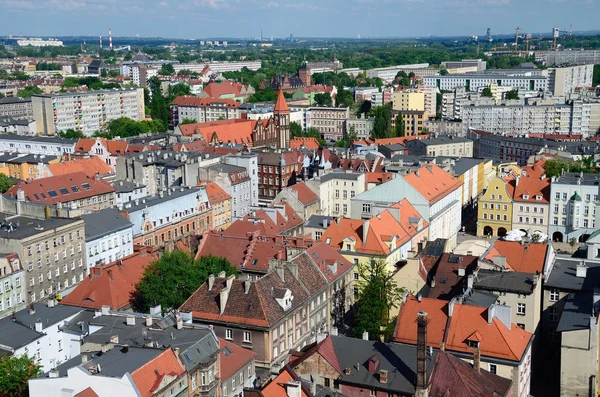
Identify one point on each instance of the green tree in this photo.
(48, 66)
(179, 89)
(15, 372)
(27, 92)
(295, 129)
(365, 107)
(103, 73)
(5, 183)
(188, 121)
(113, 73)
(596, 76)
(170, 280)
(487, 91)
(71, 134)
(378, 295)
(400, 128)
(166, 69)
(512, 95)
(343, 97)
(443, 72)
(1, 95)
(323, 99)
(382, 124)
(266, 95)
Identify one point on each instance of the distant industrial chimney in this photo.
(421, 386)
(100, 41)
(110, 46)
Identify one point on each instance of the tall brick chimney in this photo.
(476, 359)
(421, 386)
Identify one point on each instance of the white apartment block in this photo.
(562, 81)
(218, 67)
(473, 82)
(336, 189)
(36, 145)
(108, 237)
(388, 74)
(361, 127)
(568, 57)
(87, 112)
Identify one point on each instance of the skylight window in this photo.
(75, 189)
(86, 186)
(64, 190)
(52, 193)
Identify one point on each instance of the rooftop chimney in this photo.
(38, 326)
(365, 335)
(211, 281)
(451, 306)
(383, 376)
(222, 274)
(476, 359)
(502, 313)
(130, 320)
(223, 296)
(229, 281)
(148, 321)
(53, 373)
(581, 270)
(461, 271)
(292, 389)
(421, 386)
(246, 286)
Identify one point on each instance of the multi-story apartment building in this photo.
(388, 74)
(563, 81)
(127, 191)
(203, 110)
(249, 161)
(174, 215)
(329, 121)
(220, 202)
(409, 99)
(277, 170)
(87, 112)
(414, 121)
(218, 67)
(51, 250)
(447, 127)
(480, 64)
(336, 189)
(16, 108)
(235, 181)
(77, 192)
(108, 237)
(37, 145)
(26, 166)
(441, 146)
(494, 212)
(473, 82)
(568, 57)
(12, 284)
(361, 127)
(531, 204)
(573, 202)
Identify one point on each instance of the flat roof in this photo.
(23, 227)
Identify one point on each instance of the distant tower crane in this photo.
(517, 30)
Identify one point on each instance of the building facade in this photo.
(108, 237)
(330, 121)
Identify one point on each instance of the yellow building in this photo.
(414, 120)
(26, 167)
(408, 100)
(220, 202)
(494, 213)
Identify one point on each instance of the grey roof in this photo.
(349, 176)
(575, 178)
(200, 352)
(150, 201)
(317, 221)
(577, 312)
(399, 360)
(101, 223)
(514, 282)
(440, 140)
(13, 99)
(479, 298)
(21, 331)
(42, 139)
(434, 248)
(394, 146)
(223, 167)
(464, 164)
(123, 186)
(564, 275)
(7, 121)
(30, 158)
(24, 227)
(119, 361)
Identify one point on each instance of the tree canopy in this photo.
(323, 99)
(343, 97)
(48, 66)
(555, 167)
(71, 134)
(382, 125)
(27, 92)
(15, 372)
(487, 92)
(512, 94)
(5, 183)
(166, 69)
(126, 127)
(266, 95)
(170, 280)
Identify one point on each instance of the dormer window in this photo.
(473, 344)
(284, 298)
(538, 198)
(525, 197)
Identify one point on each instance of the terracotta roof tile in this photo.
(191, 101)
(222, 131)
(148, 377)
(305, 195)
(216, 90)
(90, 166)
(233, 358)
(532, 188)
(432, 182)
(307, 142)
(277, 387)
(214, 192)
(281, 104)
(63, 188)
(519, 258)
(89, 392)
(111, 284)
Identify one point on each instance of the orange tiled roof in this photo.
(111, 284)
(232, 362)
(307, 142)
(496, 339)
(519, 258)
(89, 166)
(317, 88)
(84, 145)
(531, 187)
(48, 190)
(305, 195)
(89, 392)
(148, 377)
(537, 169)
(216, 90)
(214, 192)
(432, 182)
(378, 177)
(187, 100)
(277, 387)
(225, 131)
(281, 104)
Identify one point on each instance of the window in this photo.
(366, 208)
(557, 196)
(203, 379)
(326, 382)
(249, 371)
(337, 194)
(564, 196)
(521, 309)
(521, 325)
(372, 392)
(275, 352)
(554, 295)
(247, 337)
(553, 314)
(229, 334)
(318, 235)
(492, 368)
(485, 206)
(233, 383)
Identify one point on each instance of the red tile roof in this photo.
(305, 195)
(214, 192)
(378, 177)
(47, 190)
(191, 101)
(216, 90)
(432, 182)
(222, 131)
(447, 281)
(329, 261)
(236, 358)
(148, 377)
(496, 339)
(317, 88)
(531, 187)
(281, 104)
(85, 145)
(89, 392)
(191, 147)
(307, 142)
(111, 284)
(536, 170)
(90, 166)
(277, 387)
(519, 258)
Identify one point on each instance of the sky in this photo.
(196, 19)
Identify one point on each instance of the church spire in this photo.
(281, 104)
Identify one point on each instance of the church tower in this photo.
(281, 114)
(304, 74)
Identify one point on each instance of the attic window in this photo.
(473, 343)
(538, 198)
(525, 197)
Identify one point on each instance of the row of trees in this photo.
(382, 125)
(556, 167)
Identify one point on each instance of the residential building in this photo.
(329, 121)
(126, 191)
(37, 145)
(573, 202)
(408, 99)
(444, 145)
(203, 110)
(481, 65)
(434, 193)
(564, 80)
(414, 121)
(388, 74)
(76, 192)
(16, 108)
(227, 90)
(466, 331)
(220, 202)
(219, 66)
(518, 257)
(301, 198)
(495, 209)
(17, 126)
(52, 251)
(361, 127)
(87, 112)
(174, 215)
(568, 57)
(336, 189)
(236, 369)
(470, 172)
(12, 284)
(108, 237)
(277, 170)
(111, 284)
(235, 181)
(475, 81)
(91, 166)
(37, 332)
(106, 149)
(315, 226)
(249, 161)
(26, 166)
(531, 204)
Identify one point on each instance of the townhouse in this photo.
(301, 198)
(235, 181)
(12, 284)
(329, 121)
(36, 145)
(203, 110)
(531, 204)
(434, 193)
(174, 215)
(277, 170)
(26, 166)
(443, 145)
(108, 150)
(128, 191)
(495, 208)
(336, 189)
(220, 202)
